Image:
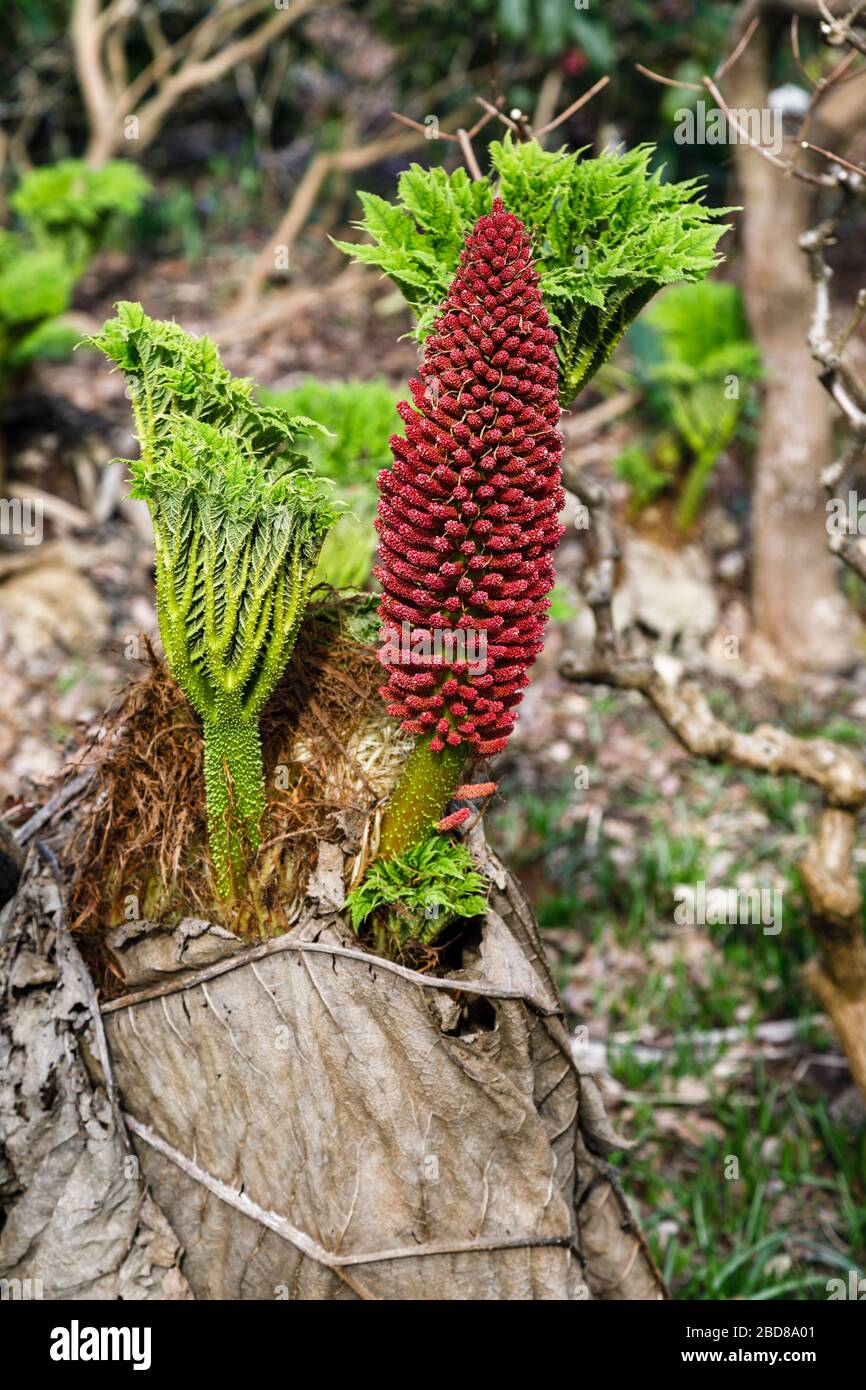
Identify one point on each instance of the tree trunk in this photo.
(797, 607)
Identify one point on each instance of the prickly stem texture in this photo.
(468, 520)
(424, 790)
(238, 522)
(243, 658)
(234, 790)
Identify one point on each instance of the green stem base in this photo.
(693, 489)
(235, 792)
(418, 801)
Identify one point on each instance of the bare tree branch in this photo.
(838, 975)
(364, 155)
(205, 54)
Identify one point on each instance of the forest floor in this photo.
(749, 1157)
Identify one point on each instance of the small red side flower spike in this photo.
(456, 818)
(468, 510)
(471, 790)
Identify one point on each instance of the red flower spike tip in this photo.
(468, 511)
(456, 818)
(470, 790)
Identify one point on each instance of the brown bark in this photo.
(838, 977)
(798, 609)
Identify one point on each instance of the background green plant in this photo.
(72, 207)
(695, 361)
(65, 211)
(358, 419)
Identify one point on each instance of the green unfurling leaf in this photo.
(238, 521)
(607, 235)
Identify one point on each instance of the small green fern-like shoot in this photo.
(607, 234)
(418, 892)
(238, 523)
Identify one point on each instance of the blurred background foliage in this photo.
(360, 418)
(64, 214)
(351, 65)
(694, 362)
(180, 219)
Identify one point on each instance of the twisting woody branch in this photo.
(837, 974)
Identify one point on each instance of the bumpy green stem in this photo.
(234, 786)
(420, 797)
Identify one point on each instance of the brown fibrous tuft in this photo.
(329, 753)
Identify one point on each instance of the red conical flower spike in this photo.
(468, 511)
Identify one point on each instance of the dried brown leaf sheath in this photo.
(310, 1120)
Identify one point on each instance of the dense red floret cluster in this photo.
(468, 512)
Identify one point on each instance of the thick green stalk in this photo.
(694, 488)
(234, 788)
(418, 801)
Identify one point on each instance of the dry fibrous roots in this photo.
(139, 845)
